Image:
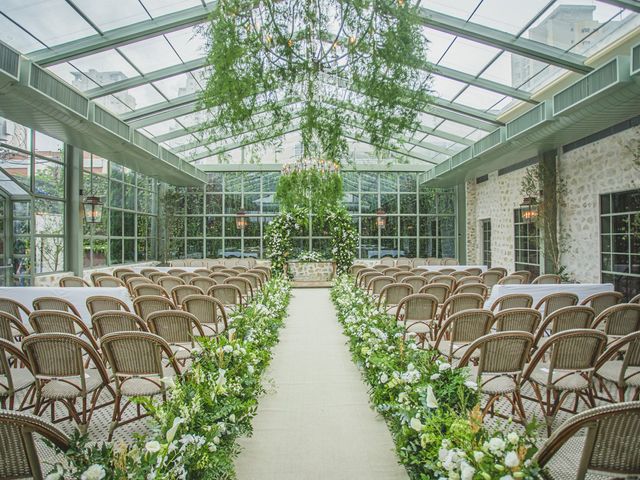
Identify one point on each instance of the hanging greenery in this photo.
(313, 188)
(344, 239)
(272, 63)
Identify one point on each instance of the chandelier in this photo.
(323, 167)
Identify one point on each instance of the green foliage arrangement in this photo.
(344, 238)
(430, 407)
(311, 188)
(264, 56)
(195, 431)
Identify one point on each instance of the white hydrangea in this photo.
(511, 460)
(94, 472)
(513, 437)
(496, 445)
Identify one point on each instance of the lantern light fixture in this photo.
(381, 219)
(241, 220)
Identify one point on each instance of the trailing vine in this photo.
(310, 188)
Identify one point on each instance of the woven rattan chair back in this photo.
(388, 261)
(217, 267)
(400, 276)
(243, 284)
(73, 282)
(186, 277)
(393, 294)
(429, 275)
(491, 277)
(548, 279)
(474, 271)
(501, 352)
(554, 301)
(354, 269)
(240, 268)
(100, 303)
(438, 290)
(230, 271)
(112, 321)
(511, 280)
(417, 307)
(174, 272)
(146, 289)
(96, 275)
(469, 279)
(366, 278)
(264, 277)
(133, 282)
(416, 282)
(525, 274)
(175, 326)
(254, 279)
(404, 267)
(179, 293)
(465, 326)
(609, 445)
(9, 386)
(389, 271)
(126, 277)
(155, 276)
(512, 300)
(459, 275)
(603, 300)
(450, 261)
(208, 310)
(378, 283)
(59, 321)
(219, 277)
(418, 262)
(448, 280)
(266, 270)
(460, 302)
(11, 327)
(404, 261)
(380, 267)
(501, 270)
(228, 295)
(566, 318)
(446, 271)
(576, 349)
(148, 304)
(203, 272)
(434, 261)
(517, 320)
(118, 272)
(170, 282)
(21, 435)
(55, 303)
(136, 354)
(477, 288)
(623, 373)
(619, 320)
(205, 283)
(109, 281)
(148, 271)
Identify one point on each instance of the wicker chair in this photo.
(470, 279)
(14, 308)
(109, 281)
(177, 329)
(460, 330)
(517, 320)
(402, 261)
(136, 359)
(438, 290)
(240, 268)
(266, 270)
(13, 379)
(635, 299)
(552, 302)
(391, 295)
(254, 279)
(366, 278)
(603, 300)
(448, 280)
(209, 311)
(148, 304)
(21, 437)
(548, 279)
(405, 267)
(179, 293)
(477, 288)
(491, 278)
(388, 261)
(219, 277)
(354, 269)
(380, 267)
(501, 359)
(146, 289)
(72, 281)
(565, 318)
(620, 365)
(389, 271)
(434, 261)
(148, 271)
(174, 272)
(155, 276)
(619, 320)
(399, 276)
(217, 267)
(429, 275)
(244, 285)
(59, 321)
(512, 300)
(378, 283)
(418, 262)
(450, 261)
(186, 277)
(55, 303)
(12, 329)
(96, 275)
(134, 282)
(229, 295)
(230, 271)
(417, 314)
(204, 283)
(170, 282)
(511, 280)
(459, 275)
(525, 274)
(112, 321)
(126, 277)
(458, 303)
(474, 271)
(264, 277)
(573, 355)
(203, 272)
(609, 445)
(118, 272)
(416, 282)
(501, 270)
(446, 271)
(57, 363)
(100, 303)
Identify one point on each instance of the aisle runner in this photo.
(317, 424)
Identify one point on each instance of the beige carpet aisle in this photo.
(315, 422)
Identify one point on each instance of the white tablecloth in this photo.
(436, 268)
(583, 290)
(76, 295)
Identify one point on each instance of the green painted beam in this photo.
(633, 5)
(503, 40)
(406, 153)
(122, 35)
(156, 108)
(154, 76)
(448, 114)
(483, 83)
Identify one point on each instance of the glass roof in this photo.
(474, 83)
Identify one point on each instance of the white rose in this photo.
(444, 366)
(466, 471)
(478, 456)
(212, 447)
(472, 385)
(496, 445)
(513, 437)
(435, 376)
(94, 472)
(432, 402)
(57, 475)
(511, 460)
(152, 446)
(416, 424)
(384, 378)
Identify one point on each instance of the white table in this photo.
(457, 268)
(582, 290)
(76, 295)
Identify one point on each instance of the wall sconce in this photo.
(381, 220)
(529, 208)
(241, 220)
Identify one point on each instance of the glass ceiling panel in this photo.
(477, 135)
(140, 97)
(457, 8)
(438, 43)
(73, 76)
(113, 104)
(188, 42)
(163, 127)
(501, 14)
(107, 17)
(178, 86)
(455, 128)
(446, 88)
(178, 142)
(14, 36)
(429, 121)
(468, 56)
(51, 21)
(505, 104)
(479, 98)
(158, 8)
(192, 119)
(105, 67)
(151, 54)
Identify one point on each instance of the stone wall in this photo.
(604, 166)
(311, 271)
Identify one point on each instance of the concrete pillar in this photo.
(461, 220)
(74, 222)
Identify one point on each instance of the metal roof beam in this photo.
(154, 76)
(406, 153)
(122, 35)
(632, 5)
(505, 41)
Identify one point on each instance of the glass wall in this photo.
(419, 221)
(527, 243)
(128, 231)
